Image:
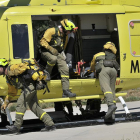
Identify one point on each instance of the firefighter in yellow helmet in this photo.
(52, 52)
(18, 76)
(105, 66)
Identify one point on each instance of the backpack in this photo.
(39, 28)
(26, 71)
(110, 60)
(27, 67)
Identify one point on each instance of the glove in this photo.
(39, 85)
(3, 107)
(53, 50)
(6, 102)
(88, 73)
(47, 76)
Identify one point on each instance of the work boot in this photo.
(111, 119)
(13, 129)
(48, 128)
(68, 93)
(111, 109)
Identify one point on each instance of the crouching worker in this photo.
(105, 66)
(29, 78)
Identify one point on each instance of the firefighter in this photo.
(52, 52)
(68, 47)
(28, 95)
(105, 66)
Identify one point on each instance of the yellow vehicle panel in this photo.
(82, 87)
(60, 10)
(135, 45)
(66, 2)
(52, 2)
(136, 29)
(4, 40)
(90, 88)
(129, 49)
(130, 2)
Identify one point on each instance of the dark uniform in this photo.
(28, 95)
(104, 64)
(52, 48)
(68, 47)
(52, 55)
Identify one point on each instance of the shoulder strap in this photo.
(8, 80)
(56, 31)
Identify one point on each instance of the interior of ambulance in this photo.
(93, 32)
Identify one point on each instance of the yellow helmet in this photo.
(3, 62)
(111, 46)
(110, 43)
(68, 25)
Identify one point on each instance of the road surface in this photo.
(117, 131)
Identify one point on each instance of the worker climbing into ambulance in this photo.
(105, 67)
(52, 52)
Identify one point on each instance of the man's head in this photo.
(110, 46)
(3, 65)
(68, 26)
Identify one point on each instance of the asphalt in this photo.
(117, 131)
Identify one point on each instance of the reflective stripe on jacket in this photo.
(96, 58)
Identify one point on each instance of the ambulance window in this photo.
(20, 41)
(134, 29)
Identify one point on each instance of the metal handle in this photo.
(124, 56)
